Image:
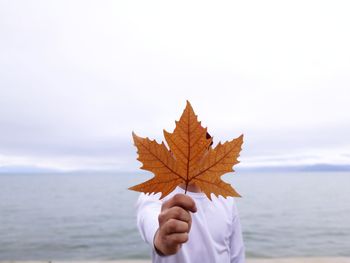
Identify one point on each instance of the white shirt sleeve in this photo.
(236, 242)
(148, 208)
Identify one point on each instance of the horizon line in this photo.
(317, 167)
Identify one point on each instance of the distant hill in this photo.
(299, 168)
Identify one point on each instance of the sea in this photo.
(91, 216)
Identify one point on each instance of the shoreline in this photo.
(248, 260)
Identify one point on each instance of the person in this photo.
(190, 228)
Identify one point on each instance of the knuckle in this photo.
(172, 242)
(183, 227)
(177, 197)
(187, 214)
(172, 224)
(182, 238)
(185, 237)
(187, 227)
(191, 202)
(177, 212)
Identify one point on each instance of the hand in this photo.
(174, 224)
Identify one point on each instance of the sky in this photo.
(77, 77)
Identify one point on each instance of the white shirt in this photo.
(215, 234)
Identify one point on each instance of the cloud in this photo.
(77, 78)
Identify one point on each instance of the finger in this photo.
(175, 212)
(181, 200)
(177, 238)
(175, 226)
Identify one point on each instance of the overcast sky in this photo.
(77, 77)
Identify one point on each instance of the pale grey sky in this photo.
(76, 77)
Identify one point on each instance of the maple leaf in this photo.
(190, 159)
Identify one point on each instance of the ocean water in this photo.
(92, 216)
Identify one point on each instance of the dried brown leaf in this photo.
(189, 160)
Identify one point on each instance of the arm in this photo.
(236, 241)
(165, 225)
